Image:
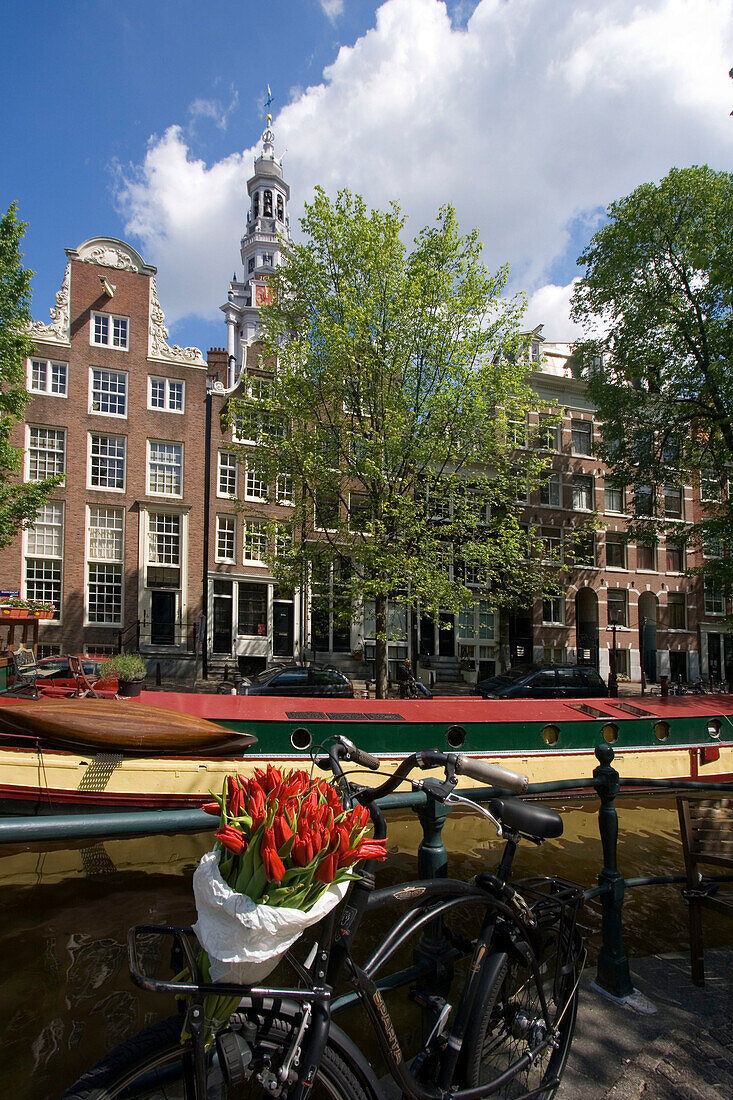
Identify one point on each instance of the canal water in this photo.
(66, 996)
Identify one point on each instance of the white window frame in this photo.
(106, 488)
(165, 466)
(48, 365)
(677, 489)
(614, 542)
(118, 562)
(552, 484)
(167, 382)
(29, 429)
(284, 490)
(553, 539)
(613, 511)
(684, 610)
(232, 464)
(589, 480)
(714, 599)
(55, 559)
(104, 412)
(224, 519)
(582, 427)
(109, 341)
(557, 610)
(255, 487)
(552, 433)
(248, 527)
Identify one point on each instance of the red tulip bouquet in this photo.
(285, 851)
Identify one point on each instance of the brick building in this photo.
(121, 415)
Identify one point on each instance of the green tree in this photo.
(389, 421)
(18, 503)
(656, 304)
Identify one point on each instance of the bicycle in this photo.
(508, 1031)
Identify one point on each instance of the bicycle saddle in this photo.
(527, 817)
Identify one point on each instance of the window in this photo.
(250, 265)
(550, 490)
(516, 431)
(47, 376)
(709, 485)
(521, 489)
(615, 550)
(584, 552)
(327, 509)
(712, 547)
(109, 392)
(675, 556)
(646, 556)
(259, 387)
(166, 394)
(582, 437)
(46, 452)
(44, 554)
(280, 208)
(553, 609)
(583, 493)
(165, 468)
(439, 506)
(227, 474)
(554, 654)
(267, 202)
(360, 511)
(714, 602)
(673, 502)
(284, 489)
(109, 331)
(255, 541)
(105, 533)
(552, 543)
(617, 606)
(104, 593)
(614, 499)
(164, 550)
(676, 610)
(226, 543)
(644, 500)
(548, 435)
(107, 462)
(283, 540)
(486, 625)
(252, 609)
(255, 486)
(267, 259)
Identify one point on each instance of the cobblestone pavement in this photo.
(684, 1052)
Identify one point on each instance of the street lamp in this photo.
(642, 641)
(613, 674)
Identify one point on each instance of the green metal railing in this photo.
(432, 857)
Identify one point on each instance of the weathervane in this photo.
(268, 101)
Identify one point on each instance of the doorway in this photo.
(223, 605)
(586, 626)
(163, 618)
(282, 628)
(648, 635)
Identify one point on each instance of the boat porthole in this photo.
(610, 733)
(550, 735)
(661, 731)
(714, 728)
(301, 739)
(456, 737)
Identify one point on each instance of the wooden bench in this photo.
(706, 830)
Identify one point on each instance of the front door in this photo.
(221, 640)
(163, 618)
(446, 636)
(282, 629)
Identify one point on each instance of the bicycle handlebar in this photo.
(492, 774)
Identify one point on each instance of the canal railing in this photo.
(612, 974)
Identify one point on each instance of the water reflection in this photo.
(67, 996)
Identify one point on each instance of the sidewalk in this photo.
(684, 1052)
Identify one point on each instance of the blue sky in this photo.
(140, 121)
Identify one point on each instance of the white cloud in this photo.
(213, 109)
(550, 306)
(529, 116)
(332, 8)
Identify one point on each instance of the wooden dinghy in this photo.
(118, 726)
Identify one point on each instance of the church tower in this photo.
(266, 233)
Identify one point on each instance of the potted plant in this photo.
(15, 607)
(130, 670)
(358, 654)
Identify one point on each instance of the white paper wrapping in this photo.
(244, 941)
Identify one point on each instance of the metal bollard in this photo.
(612, 973)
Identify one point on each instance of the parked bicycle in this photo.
(495, 979)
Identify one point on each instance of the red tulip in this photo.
(212, 808)
(326, 870)
(236, 802)
(367, 849)
(282, 830)
(257, 806)
(274, 866)
(357, 818)
(231, 838)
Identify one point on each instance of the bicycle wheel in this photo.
(150, 1067)
(508, 1021)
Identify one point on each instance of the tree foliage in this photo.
(399, 374)
(18, 503)
(656, 302)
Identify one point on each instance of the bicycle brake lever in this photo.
(454, 799)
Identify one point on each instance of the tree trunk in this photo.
(380, 663)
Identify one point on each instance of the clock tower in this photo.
(266, 233)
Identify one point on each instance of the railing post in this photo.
(432, 858)
(612, 973)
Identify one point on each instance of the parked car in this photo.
(294, 680)
(544, 682)
(55, 670)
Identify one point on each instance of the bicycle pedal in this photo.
(427, 1000)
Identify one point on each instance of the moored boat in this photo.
(687, 737)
